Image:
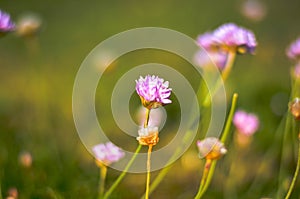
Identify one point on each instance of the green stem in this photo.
(282, 161)
(208, 180)
(204, 177)
(120, 178)
(229, 119)
(158, 179)
(148, 172)
(225, 74)
(103, 172)
(295, 174)
(225, 134)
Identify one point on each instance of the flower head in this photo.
(254, 10)
(28, 25)
(211, 148)
(6, 24)
(295, 108)
(153, 91)
(293, 51)
(233, 36)
(245, 123)
(229, 37)
(25, 159)
(148, 136)
(107, 153)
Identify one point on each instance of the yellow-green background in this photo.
(36, 81)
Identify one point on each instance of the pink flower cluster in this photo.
(229, 36)
(107, 153)
(218, 43)
(293, 51)
(153, 89)
(246, 123)
(6, 24)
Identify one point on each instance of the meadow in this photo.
(41, 153)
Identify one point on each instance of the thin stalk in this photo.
(103, 172)
(225, 134)
(158, 179)
(282, 162)
(229, 64)
(209, 178)
(225, 74)
(229, 119)
(204, 177)
(166, 169)
(148, 171)
(120, 178)
(295, 174)
(147, 118)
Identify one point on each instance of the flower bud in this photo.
(29, 25)
(148, 136)
(211, 148)
(294, 107)
(25, 159)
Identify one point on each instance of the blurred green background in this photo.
(37, 78)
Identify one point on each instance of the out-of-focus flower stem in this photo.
(148, 171)
(209, 174)
(213, 163)
(296, 172)
(122, 175)
(103, 172)
(225, 74)
(229, 64)
(0, 191)
(204, 177)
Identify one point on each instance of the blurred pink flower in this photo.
(246, 123)
(293, 51)
(25, 159)
(211, 148)
(229, 37)
(6, 24)
(254, 10)
(107, 153)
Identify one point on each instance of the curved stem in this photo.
(229, 64)
(120, 178)
(230, 117)
(208, 180)
(103, 172)
(211, 169)
(225, 74)
(204, 177)
(148, 171)
(295, 174)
